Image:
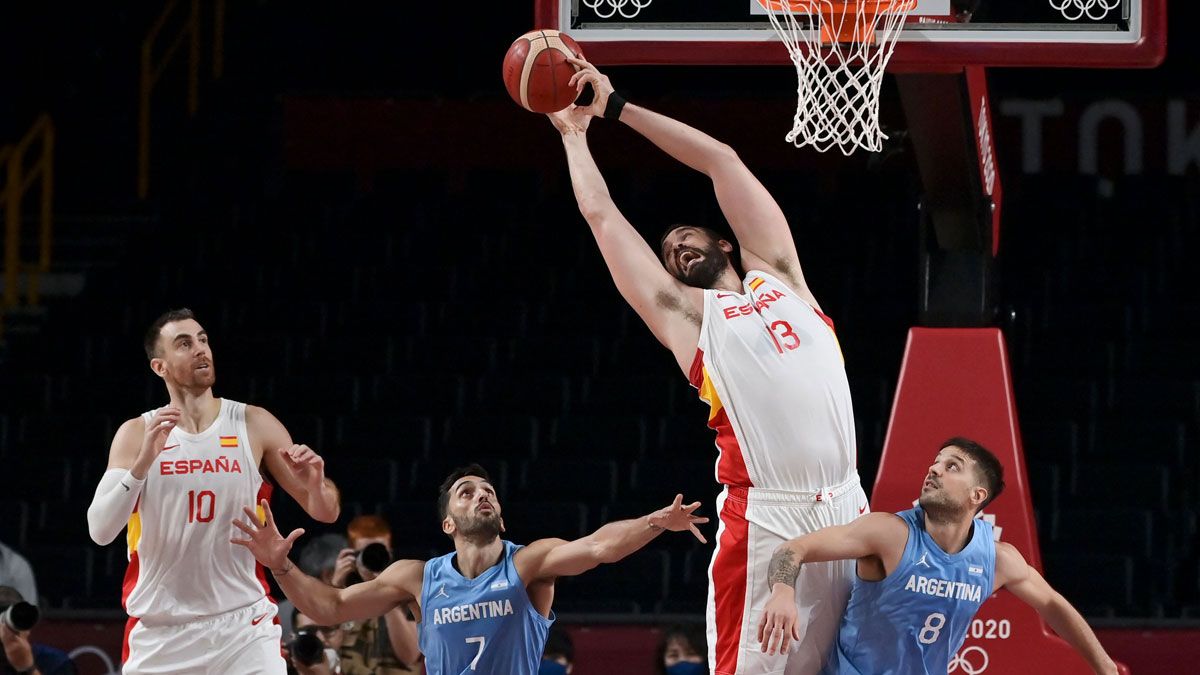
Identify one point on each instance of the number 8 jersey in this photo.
(916, 618)
(181, 564)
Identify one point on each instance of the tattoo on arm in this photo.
(783, 569)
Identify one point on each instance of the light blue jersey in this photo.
(480, 625)
(915, 620)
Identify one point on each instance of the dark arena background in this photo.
(387, 254)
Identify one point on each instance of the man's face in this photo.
(692, 256)
(184, 355)
(473, 510)
(332, 636)
(952, 484)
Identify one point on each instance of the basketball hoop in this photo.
(605, 9)
(840, 50)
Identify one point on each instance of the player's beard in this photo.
(938, 506)
(704, 274)
(481, 528)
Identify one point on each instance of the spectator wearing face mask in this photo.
(683, 651)
(558, 657)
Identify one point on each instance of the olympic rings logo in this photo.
(968, 664)
(605, 9)
(1074, 10)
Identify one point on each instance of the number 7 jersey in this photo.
(181, 564)
(770, 367)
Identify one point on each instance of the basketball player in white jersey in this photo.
(765, 359)
(176, 477)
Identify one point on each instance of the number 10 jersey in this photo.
(181, 564)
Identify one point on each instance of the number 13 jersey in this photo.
(181, 564)
(770, 368)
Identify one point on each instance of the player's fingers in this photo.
(252, 516)
(675, 504)
(692, 507)
(241, 542)
(699, 535)
(578, 61)
(268, 517)
(243, 527)
(796, 631)
(699, 520)
(296, 534)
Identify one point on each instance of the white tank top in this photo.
(181, 564)
(770, 368)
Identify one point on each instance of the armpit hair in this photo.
(671, 302)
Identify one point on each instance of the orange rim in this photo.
(833, 14)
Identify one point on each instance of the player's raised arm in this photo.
(757, 221)
(548, 559)
(871, 535)
(134, 448)
(1015, 574)
(672, 310)
(398, 584)
(297, 469)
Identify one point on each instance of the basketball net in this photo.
(840, 50)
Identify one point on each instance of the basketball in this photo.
(536, 71)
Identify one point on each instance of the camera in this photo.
(307, 648)
(374, 557)
(19, 616)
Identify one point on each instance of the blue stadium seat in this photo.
(597, 436)
(591, 480)
(521, 394)
(413, 394)
(496, 435)
(628, 395)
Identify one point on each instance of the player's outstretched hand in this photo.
(601, 87)
(677, 517)
(306, 464)
(778, 626)
(268, 546)
(571, 120)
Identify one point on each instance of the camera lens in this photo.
(374, 557)
(307, 649)
(20, 616)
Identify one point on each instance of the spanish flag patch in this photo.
(229, 442)
(756, 283)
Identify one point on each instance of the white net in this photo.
(840, 50)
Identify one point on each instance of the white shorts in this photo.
(246, 640)
(754, 522)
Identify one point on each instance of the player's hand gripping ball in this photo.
(537, 73)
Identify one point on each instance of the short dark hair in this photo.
(444, 491)
(692, 633)
(155, 329)
(558, 643)
(990, 471)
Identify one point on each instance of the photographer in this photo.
(22, 657)
(386, 644)
(313, 649)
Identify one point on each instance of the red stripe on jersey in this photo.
(828, 321)
(731, 466)
(728, 579)
(264, 492)
(696, 372)
(125, 640)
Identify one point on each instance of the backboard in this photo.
(940, 33)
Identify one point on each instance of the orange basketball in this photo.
(536, 71)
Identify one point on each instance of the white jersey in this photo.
(181, 564)
(770, 368)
